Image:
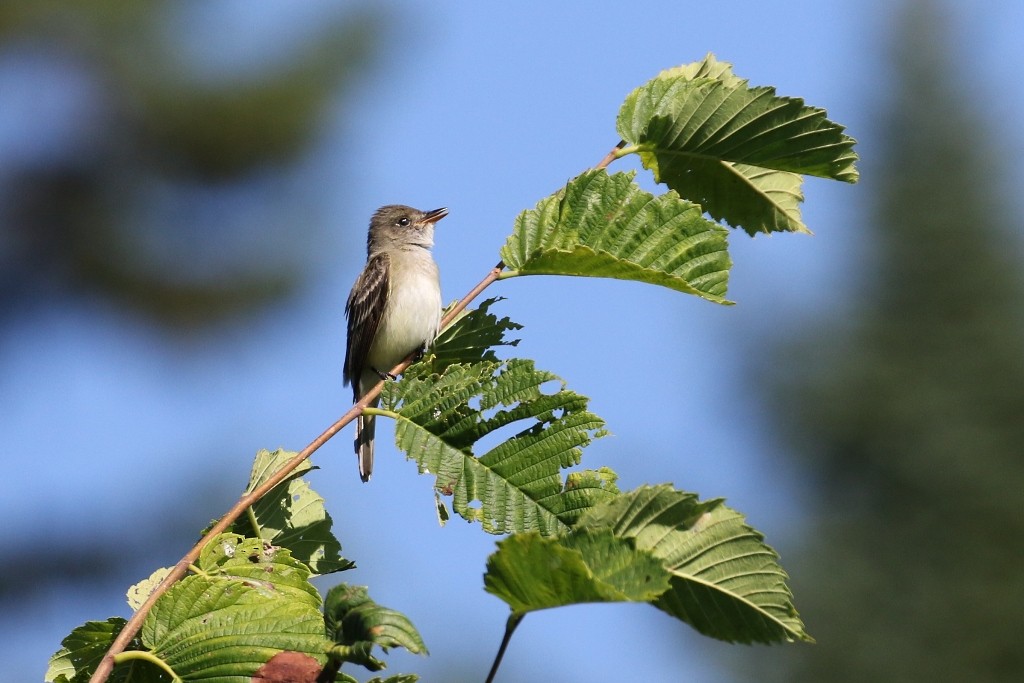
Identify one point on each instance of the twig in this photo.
(510, 627)
(473, 293)
(179, 570)
(611, 156)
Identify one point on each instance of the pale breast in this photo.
(413, 312)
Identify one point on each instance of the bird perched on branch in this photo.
(394, 308)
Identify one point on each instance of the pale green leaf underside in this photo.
(602, 225)
(531, 572)
(516, 485)
(726, 582)
(269, 570)
(736, 150)
(293, 515)
(140, 592)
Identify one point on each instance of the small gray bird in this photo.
(394, 308)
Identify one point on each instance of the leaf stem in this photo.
(612, 155)
(510, 627)
(251, 514)
(493, 275)
(147, 656)
(381, 412)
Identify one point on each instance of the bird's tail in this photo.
(364, 445)
(365, 426)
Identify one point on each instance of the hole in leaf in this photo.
(550, 387)
(502, 434)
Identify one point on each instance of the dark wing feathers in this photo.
(364, 310)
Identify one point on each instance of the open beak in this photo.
(434, 215)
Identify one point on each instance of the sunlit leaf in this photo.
(515, 485)
(292, 515)
(532, 572)
(738, 151)
(140, 592)
(725, 581)
(269, 570)
(222, 630)
(603, 225)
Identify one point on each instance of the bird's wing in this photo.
(365, 309)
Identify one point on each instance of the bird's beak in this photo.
(434, 216)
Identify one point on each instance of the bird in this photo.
(394, 308)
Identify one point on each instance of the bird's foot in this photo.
(417, 356)
(384, 375)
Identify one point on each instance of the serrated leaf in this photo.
(357, 624)
(532, 572)
(140, 592)
(736, 150)
(516, 485)
(268, 569)
(83, 649)
(222, 630)
(472, 337)
(726, 582)
(292, 515)
(602, 225)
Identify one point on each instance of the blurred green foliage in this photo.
(913, 422)
(180, 193)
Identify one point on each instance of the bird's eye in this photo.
(403, 221)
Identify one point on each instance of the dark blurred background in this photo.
(184, 191)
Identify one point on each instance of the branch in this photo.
(179, 570)
(466, 300)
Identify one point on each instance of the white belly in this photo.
(413, 313)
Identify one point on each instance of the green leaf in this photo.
(222, 630)
(516, 485)
(140, 592)
(734, 149)
(85, 646)
(726, 582)
(356, 624)
(269, 570)
(292, 515)
(531, 572)
(603, 225)
(472, 337)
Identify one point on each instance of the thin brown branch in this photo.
(611, 156)
(179, 570)
(472, 294)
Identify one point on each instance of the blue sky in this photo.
(483, 109)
